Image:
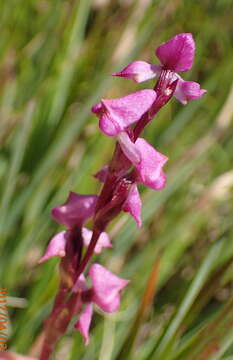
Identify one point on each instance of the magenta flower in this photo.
(76, 210)
(117, 114)
(134, 162)
(148, 161)
(104, 293)
(177, 55)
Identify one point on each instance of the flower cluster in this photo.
(134, 162)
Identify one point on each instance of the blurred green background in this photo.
(55, 63)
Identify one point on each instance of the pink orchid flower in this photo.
(177, 55)
(148, 161)
(104, 293)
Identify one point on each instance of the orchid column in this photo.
(134, 162)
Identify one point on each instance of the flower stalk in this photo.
(134, 162)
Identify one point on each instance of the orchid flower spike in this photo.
(175, 55)
(134, 162)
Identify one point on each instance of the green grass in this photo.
(56, 58)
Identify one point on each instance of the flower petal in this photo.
(147, 160)
(139, 71)
(188, 90)
(106, 287)
(103, 241)
(84, 322)
(56, 247)
(117, 114)
(102, 174)
(149, 170)
(177, 54)
(133, 204)
(76, 210)
(129, 148)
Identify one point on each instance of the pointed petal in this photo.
(177, 54)
(117, 114)
(56, 247)
(188, 90)
(149, 170)
(133, 204)
(103, 241)
(106, 287)
(84, 322)
(76, 210)
(139, 71)
(102, 174)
